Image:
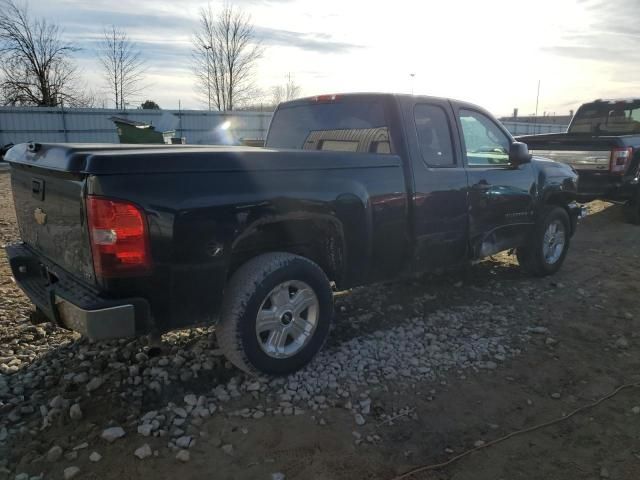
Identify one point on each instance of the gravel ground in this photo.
(72, 408)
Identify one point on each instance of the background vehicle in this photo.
(603, 144)
(124, 240)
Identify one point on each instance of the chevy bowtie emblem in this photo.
(40, 216)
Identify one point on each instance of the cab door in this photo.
(501, 196)
(439, 206)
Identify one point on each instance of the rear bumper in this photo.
(605, 186)
(73, 305)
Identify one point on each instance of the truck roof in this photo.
(368, 95)
(616, 100)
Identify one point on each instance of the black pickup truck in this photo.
(122, 240)
(603, 144)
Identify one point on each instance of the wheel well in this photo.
(321, 241)
(561, 201)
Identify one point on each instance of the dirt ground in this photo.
(591, 309)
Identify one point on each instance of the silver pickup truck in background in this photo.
(602, 144)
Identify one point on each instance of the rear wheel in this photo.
(276, 314)
(548, 245)
(632, 209)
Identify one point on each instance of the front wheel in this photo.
(547, 247)
(276, 314)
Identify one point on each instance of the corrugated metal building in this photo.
(23, 124)
(86, 125)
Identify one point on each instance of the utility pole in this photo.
(412, 75)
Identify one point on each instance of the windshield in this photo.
(345, 126)
(607, 118)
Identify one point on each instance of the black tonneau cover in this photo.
(106, 159)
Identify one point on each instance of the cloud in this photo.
(613, 35)
(315, 42)
(170, 31)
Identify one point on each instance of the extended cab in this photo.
(603, 144)
(122, 240)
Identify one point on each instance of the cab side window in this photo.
(485, 143)
(434, 136)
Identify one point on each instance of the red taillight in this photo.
(119, 239)
(620, 159)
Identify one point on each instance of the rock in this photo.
(479, 443)
(253, 387)
(278, 476)
(71, 455)
(622, 343)
(54, 454)
(359, 419)
(539, 330)
(183, 456)
(191, 400)
(491, 365)
(81, 377)
(75, 413)
(604, 473)
(112, 434)
(181, 412)
(143, 452)
(57, 401)
(95, 457)
(71, 472)
(555, 395)
(94, 384)
(145, 430)
(635, 410)
(228, 449)
(184, 441)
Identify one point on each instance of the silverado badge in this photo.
(40, 216)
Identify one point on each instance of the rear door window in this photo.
(434, 135)
(343, 126)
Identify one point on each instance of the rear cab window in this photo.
(345, 125)
(607, 118)
(434, 135)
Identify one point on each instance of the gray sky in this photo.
(492, 52)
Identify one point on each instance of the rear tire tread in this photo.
(242, 286)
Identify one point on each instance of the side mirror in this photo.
(519, 154)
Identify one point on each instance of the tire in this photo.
(251, 291)
(532, 258)
(632, 210)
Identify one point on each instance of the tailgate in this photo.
(594, 160)
(50, 211)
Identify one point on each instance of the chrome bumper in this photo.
(103, 324)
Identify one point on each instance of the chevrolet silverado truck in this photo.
(124, 240)
(603, 144)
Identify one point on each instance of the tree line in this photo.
(37, 66)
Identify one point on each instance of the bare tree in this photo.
(123, 66)
(225, 53)
(283, 93)
(36, 66)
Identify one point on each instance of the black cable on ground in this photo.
(438, 466)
